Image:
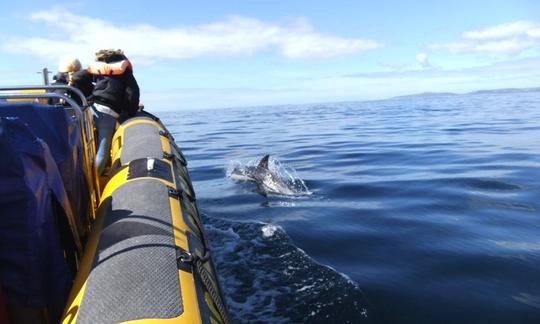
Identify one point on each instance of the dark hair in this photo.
(110, 55)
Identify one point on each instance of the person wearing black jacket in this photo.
(115, 94)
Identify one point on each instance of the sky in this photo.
(237, 53)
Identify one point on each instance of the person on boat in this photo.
(115, 95)
(70, 73)
(66, 68)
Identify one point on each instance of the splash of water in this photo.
(267, 279)
(289, 175)
(284, 172)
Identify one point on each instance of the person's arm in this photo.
(132, 93)
(82, 80)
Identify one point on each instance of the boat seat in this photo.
(33, 271)
(62, 134)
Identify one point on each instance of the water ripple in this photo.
(429, 206)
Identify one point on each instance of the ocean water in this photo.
(422, 209)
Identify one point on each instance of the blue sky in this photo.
(214, 54)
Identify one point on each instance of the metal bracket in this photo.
(184, 259)
(174, 193)
(168, 156)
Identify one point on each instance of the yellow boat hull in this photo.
(147, 259)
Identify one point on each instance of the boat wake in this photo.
(267, 279)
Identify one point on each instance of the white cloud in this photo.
(233, 36)
(503, 31)
(505, 74)
(509, 38)
(423, 59)
(358, 86)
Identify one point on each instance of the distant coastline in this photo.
(449, 94)
(423, 95)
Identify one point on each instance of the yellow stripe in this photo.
(190, 302)
(77, 291)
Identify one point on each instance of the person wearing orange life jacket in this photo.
(116, 93)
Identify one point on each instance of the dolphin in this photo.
(266, 180)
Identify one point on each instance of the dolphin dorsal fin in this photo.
(264, 162)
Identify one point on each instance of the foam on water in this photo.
(268, 230)
(269, 280)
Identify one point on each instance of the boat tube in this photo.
(146, 257)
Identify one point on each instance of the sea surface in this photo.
(423, 209)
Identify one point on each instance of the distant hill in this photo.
(448, 94)
(426, 95)
(507, 90)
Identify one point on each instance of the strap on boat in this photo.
(187, 259)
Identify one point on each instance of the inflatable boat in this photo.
(79, 248)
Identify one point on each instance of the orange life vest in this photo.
(102, 68)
